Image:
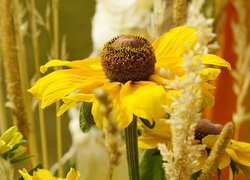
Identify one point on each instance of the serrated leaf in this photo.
(21, 159)
(147, 123)
(245, 169)
(86, 119)
(151, 166)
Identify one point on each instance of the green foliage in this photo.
(151, 165)
(147, 123)
(86, 119)
(195, 175)
(219, 173)
(21, 159)
(234, 168)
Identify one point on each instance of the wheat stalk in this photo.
(36, 53)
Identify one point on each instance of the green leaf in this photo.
(151, 166)
(21, 159)
(245, 169)
(147, 123)
(234, 168)
(195, 175)
(219, 173)
(86, 119)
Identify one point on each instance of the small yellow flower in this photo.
(130, 70)
(43, 174)
(9, 139)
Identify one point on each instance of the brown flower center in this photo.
(128, 57)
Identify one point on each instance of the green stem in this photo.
(132, 150)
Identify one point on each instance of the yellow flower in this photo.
(11, 137)
(43, 174)
(130, 70)
(238, 151)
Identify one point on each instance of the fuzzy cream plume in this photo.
(241, 73)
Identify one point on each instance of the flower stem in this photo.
(132, 150)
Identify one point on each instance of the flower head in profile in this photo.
(44, 174)
(130, 70)
(11, 142)
(206, 133)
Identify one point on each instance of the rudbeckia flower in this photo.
(44, 174)
(129, 69)
(236, 151)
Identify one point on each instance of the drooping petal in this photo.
(146, 141)
(71, 100)
(239, 152)
(144, 99)
(213, 60)
(174, 42)
(225, 161)
(122, 115)
(161, 129)
(89, 63)
(58, 84)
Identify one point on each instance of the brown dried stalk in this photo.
(14, 90)
(179, 11)
(112, 138)
(213, 160)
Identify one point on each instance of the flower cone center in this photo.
(128, 58)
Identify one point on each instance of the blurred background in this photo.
(85, 25)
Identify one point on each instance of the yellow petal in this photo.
(214, 60)
(18, 152)
(98, 117)
(239, 152)
(71, 100)
(89, 63)
(8, 134)
(122, 115)
(209, 140)
(174, 42)
(43, 174)
(146, 141)
(161, 129)
(210, 74)
(208, 98)
(173, 64)
(25, 174)
(15, 138)
(58, 84)
(225, 161)
(144, 99)
(201, 161)
(73, 175)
